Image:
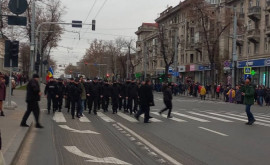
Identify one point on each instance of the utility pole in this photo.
(175, 56)
(32, 47)
(127, 66)
(144, 60)
(234, 55)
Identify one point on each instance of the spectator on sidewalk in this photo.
(2, 94)
(13, 85)
(32, 98)
(202, 92)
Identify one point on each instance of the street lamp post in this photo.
(32, 45)
(234, 55)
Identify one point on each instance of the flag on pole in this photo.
(50, 72)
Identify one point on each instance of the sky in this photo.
(114, 18)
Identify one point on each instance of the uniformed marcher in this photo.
(68, 93)
(105, 95)
(51, 93)
(123, 96)
(32, 98)
(146, 100)
(60, 93)
(115, 96)
(167, 98)
(76, 91)
(93, 92)
(132, 96)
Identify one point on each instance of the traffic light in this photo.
(11, 53)
(93, 25)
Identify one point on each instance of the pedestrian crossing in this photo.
(193, 101)
(183, 116)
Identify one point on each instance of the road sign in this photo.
(253, 72)
(77, 24)
(247, 76)
(17, 6)
(247, 70)
(16, 20)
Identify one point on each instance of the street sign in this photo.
(77, 24)
(253, 72)
(247, 70)
(247, 76)
(16, 20)
(17, 6)
(170, 70)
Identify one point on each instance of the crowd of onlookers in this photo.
(222, 92)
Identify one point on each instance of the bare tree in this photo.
(24, 57)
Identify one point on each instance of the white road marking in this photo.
(84, 119)
(174, 119)
(107, 160)
(153, 119)
(190, 117)
(58, 117)
(131, 119)
(267, 121)
(211, 117)
(222, 134)
(78, 131)
(105, 118)
(155, 149)
(235, 118)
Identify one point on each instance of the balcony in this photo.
(268, 5)
(254, 13)
(253, 35)
(267, 31)
(240, 41)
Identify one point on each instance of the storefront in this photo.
(260, 68)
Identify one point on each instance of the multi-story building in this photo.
(253, 39)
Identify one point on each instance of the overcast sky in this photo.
(116, 18)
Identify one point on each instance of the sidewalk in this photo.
(12, 134)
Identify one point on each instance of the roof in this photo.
(151, 24)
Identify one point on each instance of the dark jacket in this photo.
(146, 96)
(33, 89)
(61, 89)
(94, 89)
(167, 94)
(2, 91)
(76, 91)
(115, 91)
(51, 89)
(249, 94)
(132, 90)
(106, 90)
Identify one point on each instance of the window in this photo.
(266, 20)
(197, 57)
(248, 48)
(191, 58)
(265, 45)
(242, 8)
(182, 59)
(256, 47)
(249, 25)
(186, 58)
(257, 2)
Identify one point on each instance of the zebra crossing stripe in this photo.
(235, 118)
(154, 120)
(174, 119)
(105, 118)
(266, 121)
(190, 117)
(211, 117)
(131, 119)
(58, 117)
(84, 119)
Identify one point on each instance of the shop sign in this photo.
(252, 63)
(267, 62)
(192, 67)
(182, 69)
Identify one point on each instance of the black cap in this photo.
(35, 76)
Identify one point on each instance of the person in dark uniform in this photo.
(68, 93)
(51, 93)
(93, 92)
(115, 96)
(105, 95)
(75, 98)
(167, 98)
(146, 100)
(60, 93)
(100, 84)
(32, 98)
(122, 94)
(132, 96)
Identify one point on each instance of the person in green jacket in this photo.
(248, 92)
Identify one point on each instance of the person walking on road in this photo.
(51, 93)
(2, 94)
(76, 99)
(33, 95)
(146, 100)
(248, 92)
(167, 98)
(60, 93)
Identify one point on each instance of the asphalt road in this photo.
(201, 132)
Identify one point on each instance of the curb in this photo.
(15, 149)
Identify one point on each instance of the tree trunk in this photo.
(212, 73)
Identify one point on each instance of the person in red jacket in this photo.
(2, 94)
